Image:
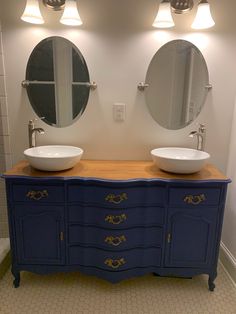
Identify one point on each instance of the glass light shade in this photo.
(32, 13)
(164, 18)
(203, 17)
(71, 15)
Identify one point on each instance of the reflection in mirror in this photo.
(57, 77)
(178, 84)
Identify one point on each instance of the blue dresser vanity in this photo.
(115, 220)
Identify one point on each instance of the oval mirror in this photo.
(178, 84)
(57, 81)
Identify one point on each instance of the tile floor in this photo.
(74, 293)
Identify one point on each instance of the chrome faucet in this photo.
(32, 133)
(201, 136)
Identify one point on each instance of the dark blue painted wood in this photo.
(131, 259)
(116, 218)
(111, 197)
(115, 276)
(192, 235)
(38, 230)
(42, 193)
(115, 239)
(211, 196)
(153, 209)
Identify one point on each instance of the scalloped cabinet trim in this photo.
(115, 220)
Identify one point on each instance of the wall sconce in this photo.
(70, 15)
(164, 18)
(202, 20)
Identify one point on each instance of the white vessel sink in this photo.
(179, 160)
(53, 157)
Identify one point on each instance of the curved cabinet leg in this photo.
(211, 284)
(155, 274)
(16, 281)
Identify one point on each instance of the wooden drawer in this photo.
(116, 239)
(114, 261)
(37, 193)
(194, 197)
(116, 218)
(116, 197)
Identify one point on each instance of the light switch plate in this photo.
(119, 111)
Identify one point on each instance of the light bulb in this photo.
(203, 17)
(164, 18)
(71, 15)
(32, 13)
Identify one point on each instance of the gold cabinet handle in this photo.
(115, 220)
(37, 195)
(194, 199)
(115, 241)
(115, 263)
(116, 199)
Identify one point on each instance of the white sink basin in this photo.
(53, 157)
(179, 160)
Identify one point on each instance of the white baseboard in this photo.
(228, 261)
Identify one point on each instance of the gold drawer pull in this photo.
(194, 199)
(115, 220)
(115, 241)
(37, 195)
(115, 263)
(116, 199)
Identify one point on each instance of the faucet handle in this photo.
(202, 128)
(31, 121)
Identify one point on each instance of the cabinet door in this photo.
(39, 234)
(191, 237)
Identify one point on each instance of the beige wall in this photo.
(118, 43)
(118, 52)
(229, 230)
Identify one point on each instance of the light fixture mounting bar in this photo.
(181, 6)
(55, 5)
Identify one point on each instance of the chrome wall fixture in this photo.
(203, 18)
(91, 85)
(55, 5)
(142, 86)
(181, 6)
(70, 15)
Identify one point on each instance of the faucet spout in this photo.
(39, 130)
(32, 133)
(192, 134)
(201, 136)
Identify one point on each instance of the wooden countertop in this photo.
(116, 170)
